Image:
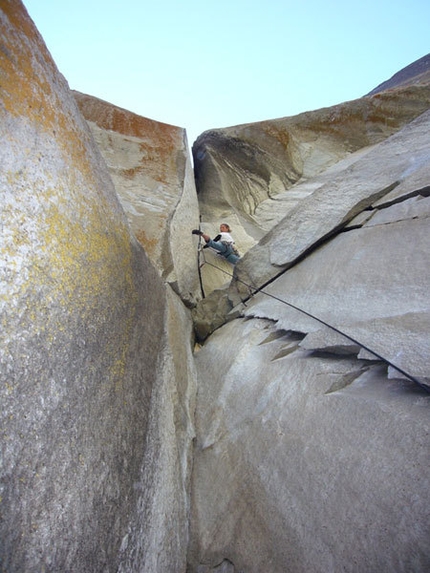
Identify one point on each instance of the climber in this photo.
(222, 243)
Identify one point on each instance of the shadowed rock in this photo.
(239, 168)
(253, 175)
(93, 451)
(416, 73)
(369, 180)
(305, 461)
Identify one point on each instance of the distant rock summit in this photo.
(166, 412)
(416, 73)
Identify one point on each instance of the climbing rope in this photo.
(260, 290)
(199, 266)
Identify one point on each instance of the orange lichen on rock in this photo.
(281, 135)
(32, 88)
(66, 243)
(148, 243)
(166, 138)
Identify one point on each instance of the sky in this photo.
(204, 64)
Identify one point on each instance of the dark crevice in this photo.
(423, 192)
(289, 335)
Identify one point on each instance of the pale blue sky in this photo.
(208, 64)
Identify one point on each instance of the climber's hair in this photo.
(227, 226)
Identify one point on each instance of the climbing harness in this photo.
(254, 291)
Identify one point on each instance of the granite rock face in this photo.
(377, 274)
(368, 188)
(252, 175)
(239, 168)
(95, 388)
(305, 461)
(312, 412)
(150, 166)
(311, 451)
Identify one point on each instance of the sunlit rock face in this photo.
(311, 453)
(255, 175)
(372, 277)
(312, 413)
(252, 175)
(252, 171)
(150, 166)
(95, 385)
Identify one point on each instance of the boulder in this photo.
(96, 388)
(211, 313)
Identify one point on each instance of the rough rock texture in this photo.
(251, 175)
(238, 168)
(371, 181)
(211, 313)
(95, 387)
(157, 537)
(370, 282)
(305, 461)
(150, 166)
(397, 167)
(312, 452)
